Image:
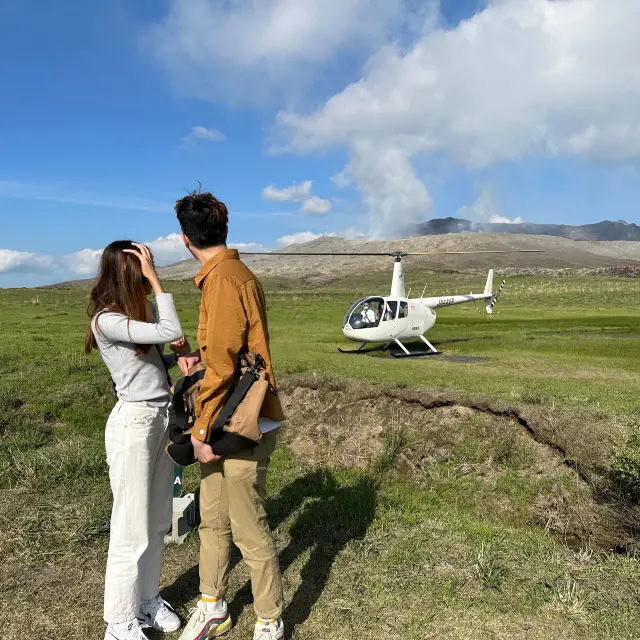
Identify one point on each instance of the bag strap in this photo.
(164, 364)
(242, 388)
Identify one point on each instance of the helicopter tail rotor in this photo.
(490, 300)
(494, 299)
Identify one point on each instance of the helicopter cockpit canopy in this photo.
(369, 312)
(366, 313)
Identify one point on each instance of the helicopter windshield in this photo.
(365, 313)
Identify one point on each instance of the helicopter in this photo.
(388, 320)
(391, 319)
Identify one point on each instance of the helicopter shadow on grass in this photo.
(418, 352)
(452, 341)
(328, 518)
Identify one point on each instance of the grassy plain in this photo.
(457, 524)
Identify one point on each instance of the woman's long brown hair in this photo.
(121, 288)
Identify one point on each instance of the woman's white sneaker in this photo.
(207, 620)
(269, 630)
(158, 614)
(125, 631)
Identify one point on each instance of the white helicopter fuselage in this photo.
(418, 320)
(420, 316)
(398, 317)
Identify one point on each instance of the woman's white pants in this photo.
(141, 476)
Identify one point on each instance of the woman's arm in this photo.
(118, 328)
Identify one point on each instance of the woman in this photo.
(130, 340)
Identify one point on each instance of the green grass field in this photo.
(410, 498)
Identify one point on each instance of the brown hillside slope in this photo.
(559, 253)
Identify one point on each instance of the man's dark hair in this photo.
(203, 219)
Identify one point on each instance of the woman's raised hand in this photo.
(146, 260)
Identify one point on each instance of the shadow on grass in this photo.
(328, 518)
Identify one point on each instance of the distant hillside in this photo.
(559, 253)
(605, 230)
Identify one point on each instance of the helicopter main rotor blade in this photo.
(393, 254)
(448, 253)
(277, 253)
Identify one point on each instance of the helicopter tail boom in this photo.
(488, 293)
(488, 287)
(447, 301)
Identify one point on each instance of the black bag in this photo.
(225, 440)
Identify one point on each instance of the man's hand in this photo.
(181, 347)
(187, 361)
(203, 452)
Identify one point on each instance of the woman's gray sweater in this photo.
(138, 378)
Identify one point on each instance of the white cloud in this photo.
(201, 133)
(207, 134)
(311, 205)
(258, 50)
(316, 206)
(342, 180)
(168, 249)
(84, 262)
(294, 193)
(521, 77)
(24, 261)
(249, 247)
(486, 209)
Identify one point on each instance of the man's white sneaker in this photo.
(158, 614)
(125, 631)
(207, 620)
(269, 630)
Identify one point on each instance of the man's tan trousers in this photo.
(233, 506)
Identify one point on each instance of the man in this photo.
(390, 312)
(232, 490)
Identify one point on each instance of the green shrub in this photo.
(626, 464)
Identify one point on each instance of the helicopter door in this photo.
(403, 323)
(390, 311)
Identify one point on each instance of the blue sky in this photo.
(112, 110)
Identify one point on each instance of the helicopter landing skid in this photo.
(396, 353)
(405, 353)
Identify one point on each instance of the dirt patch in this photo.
(428, 435)
(326, 427)
(339, 408)
(351, 428)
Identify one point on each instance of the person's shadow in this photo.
(329, 519)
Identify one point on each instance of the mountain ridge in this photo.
(598, 231)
